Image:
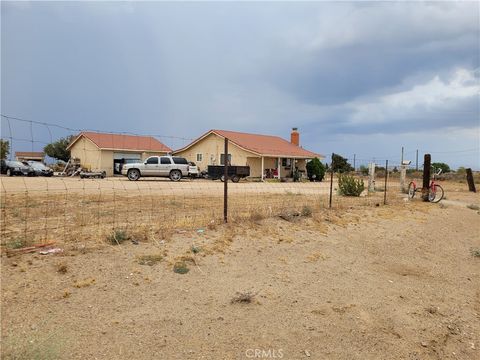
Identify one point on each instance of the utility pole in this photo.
(416, 165)
(401, 162)
(354, 168)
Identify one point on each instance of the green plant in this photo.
(195, 249)
(118, 237)
(475, 252)
(18, 243)
(4, 148)
(363, 170)
(315, 170)
(307, 211)
(439, 165)
(349, 186)
(180, 267)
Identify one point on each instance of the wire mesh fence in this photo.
(65, 208)
(39, 210)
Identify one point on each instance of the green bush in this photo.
(439, 165)
(315, 170)
(349, 186)
(117, 237)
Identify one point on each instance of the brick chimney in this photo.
(295, 137)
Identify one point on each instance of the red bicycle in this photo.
(435, 191)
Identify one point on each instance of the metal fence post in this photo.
(331, 183)
(225, 182)
(386, 179)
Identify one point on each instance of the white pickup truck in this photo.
(160, 166)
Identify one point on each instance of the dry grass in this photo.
(150, 259)
(243, 298)
(140, 216)
(84, 283)
(62, 268)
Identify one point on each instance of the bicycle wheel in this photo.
(435, 194)
(411, 190)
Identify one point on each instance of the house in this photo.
(108, 152)
(29, 156)
(268, 156)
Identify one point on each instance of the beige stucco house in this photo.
(30, 156)
(268, 156)
(108, 152)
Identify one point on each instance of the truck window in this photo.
(152, 160)
(180, 160)
(165, 161)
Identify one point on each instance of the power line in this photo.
(46, 124)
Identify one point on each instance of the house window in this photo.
(199, 157)
(222, 159)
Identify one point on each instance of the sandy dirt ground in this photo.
(40, 185)
(373, 282)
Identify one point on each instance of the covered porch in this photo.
(267, 167)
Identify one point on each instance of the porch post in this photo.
(262, 167)
(279, 167)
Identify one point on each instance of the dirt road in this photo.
(394, 282)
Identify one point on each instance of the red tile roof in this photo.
(29, 154)
(265, 145)
(123, 142)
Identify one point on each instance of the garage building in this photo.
(108, 152)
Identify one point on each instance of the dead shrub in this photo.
(243, 298)
(62, 268)
(307, 211)
(256, 216)
(117, 237)
(84, 283)
(149, 260)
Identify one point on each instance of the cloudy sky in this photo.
(356, 78)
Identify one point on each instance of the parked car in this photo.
(39, 168)
(12, 168)
(161, 166)
(193, 170)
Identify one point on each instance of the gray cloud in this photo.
(333, 69)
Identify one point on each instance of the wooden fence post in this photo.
(225, 183)
(426, 176)
(471, 183)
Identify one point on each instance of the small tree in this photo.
(4, 148)
(439, 165)
(363, 170)
(340, 164)
(315, 170)
(58, 149)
